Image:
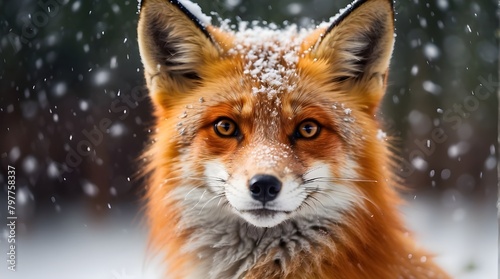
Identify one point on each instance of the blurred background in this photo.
(74, 118)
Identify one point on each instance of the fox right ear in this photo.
(356, 49)
(174, 45)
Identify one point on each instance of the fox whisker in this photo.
(335, 179)
(199, 200)
(211, 199)
(328, 192)
(221, 197)
(190, 191)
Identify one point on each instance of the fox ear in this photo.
(358, 44)
(174, 45)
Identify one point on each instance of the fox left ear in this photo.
(358, 45)
(175, 47)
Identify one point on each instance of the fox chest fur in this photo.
(265, 161)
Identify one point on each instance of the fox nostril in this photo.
(274, 190)
(255, 189)
(264, 187)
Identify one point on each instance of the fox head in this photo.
(263, 125)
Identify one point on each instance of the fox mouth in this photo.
(264, 212)
(264, 217)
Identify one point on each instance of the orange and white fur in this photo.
(265, 161)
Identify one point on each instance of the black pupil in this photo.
(225, 125)
(308, 128)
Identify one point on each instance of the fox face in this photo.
(273, 122)
(265, 161)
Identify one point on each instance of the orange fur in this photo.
(194, 80)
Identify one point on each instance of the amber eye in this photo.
(225, 128)
(307, 129)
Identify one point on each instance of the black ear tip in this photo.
(350, 8)
(198, 22)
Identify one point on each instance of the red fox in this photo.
(265, 161)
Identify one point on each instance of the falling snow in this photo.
(458, 149)
(419, 163)
(294, 8)
(76, 6)
(84, 105)
(90, 189)
(101, 77)
(60, 89)
(53, 170)
(431, 51)
(14, 153)
(431, 87)
(117, 130)
(30, 164)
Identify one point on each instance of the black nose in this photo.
(264, 187)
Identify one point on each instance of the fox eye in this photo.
(308, 129)
(225, 128)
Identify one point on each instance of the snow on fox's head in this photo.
(262, 123)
